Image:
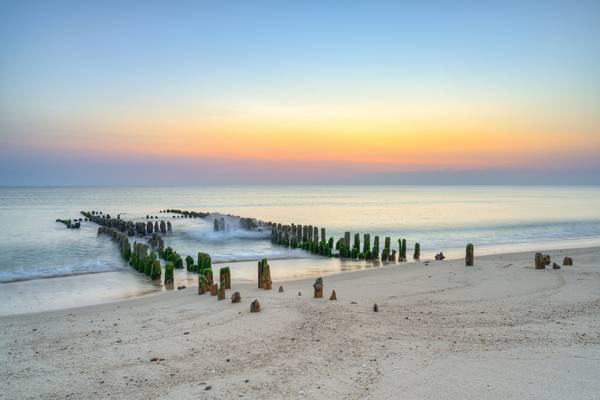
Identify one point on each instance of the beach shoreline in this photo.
(74, 290)
(501, 328)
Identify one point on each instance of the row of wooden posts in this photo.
(307, 237)
(130, 228)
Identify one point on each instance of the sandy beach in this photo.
(500, 329)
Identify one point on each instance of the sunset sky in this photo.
(299, 92)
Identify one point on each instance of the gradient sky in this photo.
(299, 92)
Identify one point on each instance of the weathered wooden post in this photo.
(163, 227)
(260, 272)
(149, 227)
(385, 254)
(347, 239)
(568, 261)
(402, 250)
(156, 272)
(169, 228)
(148, 264)
(333, 296)
(375, 252)
(189, 263)
(225, 277)
(177, 261)
(323, 236)
(202, 284)
(367, 246)
(266, 277)
(541, 261)
(255, 306)
(356, 241)
(318, 288)
(214, 288)
(417, 255)
(169, 274)
(469, 258)
(236, 297)
(207, 271)
(221, 292)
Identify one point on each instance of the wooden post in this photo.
(225, 277)
(208, 274)
(236, 297)
(202, 284)
(417, 255)
(402, 248)
(567, 261)
(260, 272)
(469, 258)
(266, 277)
(375, 252)
(539, 261)
(318, 288)
(221, 292)
(385, 254)
(367, 246)
(169, 268)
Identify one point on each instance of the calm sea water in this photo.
(496, 219)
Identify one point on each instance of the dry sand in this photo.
(499, 330)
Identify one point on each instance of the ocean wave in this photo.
(250, 255)
(203, 234)
(91, 266)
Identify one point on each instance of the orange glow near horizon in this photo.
(407, 143)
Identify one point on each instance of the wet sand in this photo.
(499, 329)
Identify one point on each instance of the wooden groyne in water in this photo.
(310, 238)
(307, 237)
(296, 236)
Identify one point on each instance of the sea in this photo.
(45, 266)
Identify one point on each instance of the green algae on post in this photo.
(189, 262)
(225, 277)
(417, 255)
(169, 273)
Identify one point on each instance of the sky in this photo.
(103, 93)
